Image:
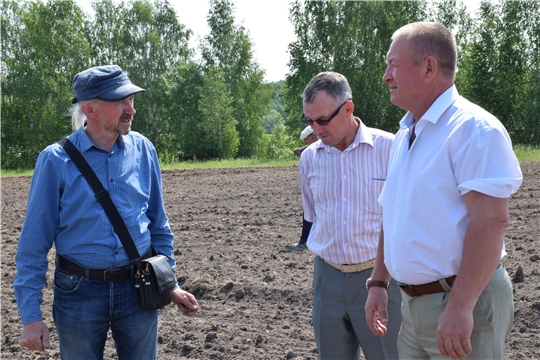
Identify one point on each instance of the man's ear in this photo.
(350, 106)
(432, 67)
(88, 109)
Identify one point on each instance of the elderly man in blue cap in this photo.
(94, 285)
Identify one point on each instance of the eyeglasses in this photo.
(309, 122)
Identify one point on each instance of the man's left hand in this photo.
(185, 301)
(454, 333)
(376, 310)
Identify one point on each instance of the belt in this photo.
(349, 268)
(107, 275)
(426, 289)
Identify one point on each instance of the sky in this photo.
(267, 22)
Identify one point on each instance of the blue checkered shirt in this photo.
(62, 210)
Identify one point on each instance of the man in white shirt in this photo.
(341, 177)
(445, 208)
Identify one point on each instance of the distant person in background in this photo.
(308, 137)
(341, 177)
(445, 206)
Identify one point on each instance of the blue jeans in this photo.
(83, 311)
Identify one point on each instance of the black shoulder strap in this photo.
(103, 197)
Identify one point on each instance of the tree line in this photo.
(218, 106)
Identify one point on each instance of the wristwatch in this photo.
(377, 283)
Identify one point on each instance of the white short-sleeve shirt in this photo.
(459, 147)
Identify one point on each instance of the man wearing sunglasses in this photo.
(341, 178)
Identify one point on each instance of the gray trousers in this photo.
(339, 318)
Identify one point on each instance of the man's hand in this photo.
(376, 310)
(298, 151)
(185, 301)
(482, 249)
(35, 336)
(454, 333)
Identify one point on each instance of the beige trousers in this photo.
(493, 316)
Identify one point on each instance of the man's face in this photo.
(115, 117)
(403, 78)
(322, 108)
(310, 139)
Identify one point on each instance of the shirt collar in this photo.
(363, 135)
(86, 143)
(83, 139)
(436, 109)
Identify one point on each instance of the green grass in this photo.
(524, 153)
(527, 153)
(216, 164)
(16, 172)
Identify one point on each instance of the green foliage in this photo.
(42, 46)
(153, 42)
(277, 109)
(271, 120)
(279, 144)
(277, 98)
(352, 38)
(500, 70)
(220, 138)
(229, 48)
(180, 112)
(219, 107)
(106, 34)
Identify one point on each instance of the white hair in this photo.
(78, 118)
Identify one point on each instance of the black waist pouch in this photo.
(155, 279)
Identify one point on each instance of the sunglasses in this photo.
(309, 122)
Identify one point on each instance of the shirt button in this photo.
(344, 176)
(344, 199)
(344, 222)
(112, 180)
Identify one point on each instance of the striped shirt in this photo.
(63, 210)
(340, 192)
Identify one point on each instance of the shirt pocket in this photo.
(374, 185)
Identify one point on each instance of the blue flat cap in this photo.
(107, 83)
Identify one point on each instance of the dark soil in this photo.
(231, 227)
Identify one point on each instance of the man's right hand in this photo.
(35, 336)
(376, 310)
